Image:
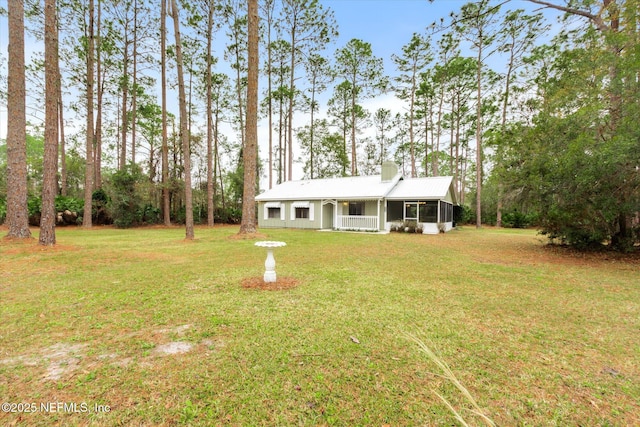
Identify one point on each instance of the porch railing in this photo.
(357, 222)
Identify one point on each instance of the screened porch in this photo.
(433, 214)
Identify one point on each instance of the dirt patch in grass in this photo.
(63, 359)
(37, 248)
(31, 245)
(569, 254)
(11, 270)
(174, 347)
(249, 236)
(60, 360)
(281, 284)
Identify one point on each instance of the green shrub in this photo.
(179, 217)
(228, 215)
(34, 209)
(125, 200)
(124, 219)
(72, 204)
(463, 215)
(100, 208)
(410, 226)
(3, 210)
(579, 237)
(34, 206)
(516, 219)
(407, 227)
(149, 214)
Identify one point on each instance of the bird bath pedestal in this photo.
(270, 263)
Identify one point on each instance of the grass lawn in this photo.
(139, 327)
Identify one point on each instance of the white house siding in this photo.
(431, 228)
(288, 219)
(449, 198)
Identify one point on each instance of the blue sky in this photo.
(386, 24)
(389, 24)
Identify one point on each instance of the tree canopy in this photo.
(536, 125)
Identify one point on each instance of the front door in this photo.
(328, 208)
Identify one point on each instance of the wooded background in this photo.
(535, 130)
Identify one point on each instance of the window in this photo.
(273, 210)
(411, 211)
(429, 212)
(356, 208)
(394, 210)
(301, 210)
(446, 212)
(273, 213)
(302, 213)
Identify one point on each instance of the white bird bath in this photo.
(270, 263)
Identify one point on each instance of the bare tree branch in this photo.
(596, 19)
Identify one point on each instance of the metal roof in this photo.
(351, 187)
(435, 188)
(360, 188)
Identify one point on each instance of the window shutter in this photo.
(266, 211)
(293, 212)
(282, 207)
(311, 205)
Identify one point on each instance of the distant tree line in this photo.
(533, 134)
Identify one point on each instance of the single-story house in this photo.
(365, 203)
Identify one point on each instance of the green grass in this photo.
(538, 336)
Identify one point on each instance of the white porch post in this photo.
(378, 221)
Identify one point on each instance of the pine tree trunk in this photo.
(88, 179)
(50, 160)
(97, 156)
(291, 101)
(166, 200)
(216, 161)
(354, 160)
(414, 172)
(311, 129)
(184, 127)
(134, 91)
(125, 99)
(479, 139)
(270, 104)
(281, 163)
(17, 213)
(459, 163)
(210, 182)
(248, 224)
(434, 161)
(63, 151)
